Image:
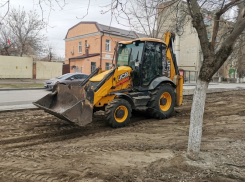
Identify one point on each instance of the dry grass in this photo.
(22, 85)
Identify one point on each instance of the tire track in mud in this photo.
(46, 130)
(59, 134)
(32, 175)
(31, 154)
(66, 134)
(46, 152)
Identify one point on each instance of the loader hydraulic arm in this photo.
(169, 40)
(178, 79)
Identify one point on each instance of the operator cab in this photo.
(146, 57)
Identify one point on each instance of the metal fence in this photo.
(190, 76)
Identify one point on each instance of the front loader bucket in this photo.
(69, 103)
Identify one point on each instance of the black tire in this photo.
(112, 108)
(153, 105)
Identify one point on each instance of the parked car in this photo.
(66, 79)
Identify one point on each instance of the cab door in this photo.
(151, 62)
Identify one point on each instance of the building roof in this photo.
(142, 39)
(85, 56)
(111, 30)
(120, 32)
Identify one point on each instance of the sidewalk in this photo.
(194, 83)
(21, 84)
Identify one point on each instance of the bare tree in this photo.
(49, 52)
(41, 4)
(153, 18)
(144, 15)
(213, 60)
(27, 30)
(7, 41)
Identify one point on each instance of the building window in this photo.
(93, 66)
(79, 47)
(107, 66)
(108, 45)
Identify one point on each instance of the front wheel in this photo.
(118, 113)
(161, 104)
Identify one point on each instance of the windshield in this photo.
(130, 55)
(65, 76)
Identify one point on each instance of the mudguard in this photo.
(127, 98)
(157, 81)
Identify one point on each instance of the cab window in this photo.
(130, 54)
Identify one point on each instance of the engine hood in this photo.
(100, 76)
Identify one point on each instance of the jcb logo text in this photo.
(122, 76)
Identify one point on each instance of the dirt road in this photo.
(35, 146)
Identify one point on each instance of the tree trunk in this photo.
(197, 110)
(6, 50)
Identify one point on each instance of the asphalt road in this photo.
(22, 99)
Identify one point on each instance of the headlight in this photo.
(54, 82)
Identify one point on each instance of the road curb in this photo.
(212, 91)
(11, 89)
(194, 84)
(21, 109)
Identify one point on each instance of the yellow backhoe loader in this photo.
(145, 74)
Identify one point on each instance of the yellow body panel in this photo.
(104, 100)
(100, 76)
(167, 38)
(101, 97)
(179, 90)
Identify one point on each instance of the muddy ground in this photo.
(36, 146)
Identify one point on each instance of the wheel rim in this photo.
(168, 98)
(122, 119)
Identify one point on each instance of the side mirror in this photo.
(72, 78)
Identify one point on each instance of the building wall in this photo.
(72, 46)
(48, 70)
(189, 49)
(107, 56)
(90, 33)
(15, 67)
(84, 65)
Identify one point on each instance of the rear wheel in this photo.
(161, 104)
(118, 113)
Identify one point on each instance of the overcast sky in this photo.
(61, 20)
